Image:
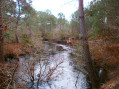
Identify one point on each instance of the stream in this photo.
(64, 76)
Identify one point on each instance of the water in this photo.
(67, 76)
(56, 57)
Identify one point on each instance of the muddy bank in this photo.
(56, 41)
(16, 50)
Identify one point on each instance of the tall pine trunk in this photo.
(17, 22)
(1, 35)
(86, 52)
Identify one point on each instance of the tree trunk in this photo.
(16, 36)
(17, 22)
(1, 35)
(86, 52)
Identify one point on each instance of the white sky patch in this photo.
(65, 6)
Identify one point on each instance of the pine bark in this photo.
(86, 52)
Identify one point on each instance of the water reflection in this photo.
(68, 77)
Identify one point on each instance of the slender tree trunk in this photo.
(16, 36)
(17, 22)
(87, 56)
(1, 35)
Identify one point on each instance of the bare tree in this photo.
(87, 56)
(1, 35)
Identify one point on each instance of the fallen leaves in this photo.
(31, 68)
(5, 28)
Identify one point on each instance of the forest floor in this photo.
(106, 56)
(15, 50)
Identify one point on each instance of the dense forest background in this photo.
(101, 19)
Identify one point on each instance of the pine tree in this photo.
(87, 56)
